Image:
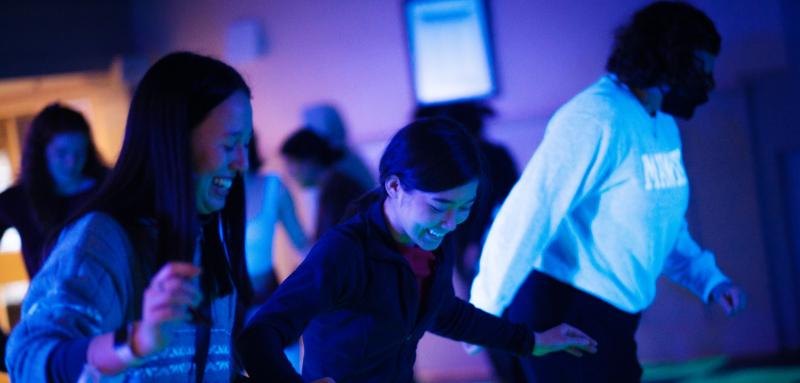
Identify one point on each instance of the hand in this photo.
(730, 297)
(167, 301)
(563, 337)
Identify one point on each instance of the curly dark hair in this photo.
(35, 177)
(658, 45)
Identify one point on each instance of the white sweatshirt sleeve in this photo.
(693, 267)
(571, 159)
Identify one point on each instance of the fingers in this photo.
(171, 293)
(563, 337)
(727, 303)
(180, 289)
(733, 301)
(730, 298)
(168, 313)
(178, 269)
(574, 351)
(578, 339)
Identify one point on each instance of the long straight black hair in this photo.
(152, 180)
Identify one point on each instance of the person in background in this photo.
(268, 203)
(325, 120)
(599, 212)
(60, 171)
(145, 284)
(374, 284)
(311, 162)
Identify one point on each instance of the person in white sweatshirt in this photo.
(599, 211)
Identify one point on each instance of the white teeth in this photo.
(437, 235)
(223, 182)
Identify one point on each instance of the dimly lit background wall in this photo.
(48, 37)
(353, 53)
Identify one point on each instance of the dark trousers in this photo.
(543, 302)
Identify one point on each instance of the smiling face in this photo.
(424, 218)
(219, 151)
(66, 156)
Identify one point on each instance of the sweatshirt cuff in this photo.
(525, 340)
(717, 278)
(65, 363)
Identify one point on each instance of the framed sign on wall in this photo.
(450, 50)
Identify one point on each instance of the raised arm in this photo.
(328, 277)
(462, 321)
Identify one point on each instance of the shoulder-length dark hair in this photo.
(35, 176)
(152, 179)
(429, 155)
(658, 45)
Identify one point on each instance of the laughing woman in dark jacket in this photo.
(373, 285)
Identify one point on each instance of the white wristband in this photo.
(123, 338)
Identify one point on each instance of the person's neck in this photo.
(391, 222)
(650, 98)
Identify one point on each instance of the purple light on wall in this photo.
(244, 41)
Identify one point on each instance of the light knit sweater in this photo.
(92, 284)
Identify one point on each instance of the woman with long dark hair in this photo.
(60, 171)
(374, 284)
(145, 282)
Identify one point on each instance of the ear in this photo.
(392, 186)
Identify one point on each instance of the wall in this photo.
(353, 53)
(773, 107)
(45, 37)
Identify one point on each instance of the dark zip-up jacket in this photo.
(355, 300)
